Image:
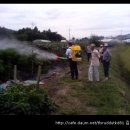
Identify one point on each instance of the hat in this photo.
(105, 44)
(92, 45)
(70, 43)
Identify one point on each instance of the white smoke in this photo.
(25, 48)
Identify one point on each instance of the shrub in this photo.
(10, 57)
(27, 100)
(123, 61)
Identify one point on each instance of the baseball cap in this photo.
(106, 44)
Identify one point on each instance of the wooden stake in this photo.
(15, 73)
(38, 74)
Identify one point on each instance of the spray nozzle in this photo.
(62, 58)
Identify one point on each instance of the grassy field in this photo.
(79, 97)
(124, 62)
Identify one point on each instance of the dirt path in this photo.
(62, 90)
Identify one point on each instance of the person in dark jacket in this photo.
(88, 52)
(106, 60)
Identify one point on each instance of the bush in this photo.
(123, 62)
(23, 100)
(10, 57)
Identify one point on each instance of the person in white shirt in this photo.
(69, 51)
(93, 72)
(73, 64)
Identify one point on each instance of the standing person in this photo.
(88, 51)
(101, 52)
(106, 60)
(73, 64)
(93, 71)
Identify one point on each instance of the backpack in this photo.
(76, 53)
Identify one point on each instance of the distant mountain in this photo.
(122, 37)
(28, 34)
(3, 29)
(4, 32)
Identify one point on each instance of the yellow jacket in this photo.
(75, 49)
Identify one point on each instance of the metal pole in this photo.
(121, 36)
(15, 73)
(38, 74)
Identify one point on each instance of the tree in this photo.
(28, 34)
(73, 38)
(35, 30)
(95, 39)
(4, 32)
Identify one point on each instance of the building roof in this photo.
(41, 40)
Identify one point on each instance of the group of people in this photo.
(95, 57)
(99, 56)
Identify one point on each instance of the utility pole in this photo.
(69, 33)
(121, 35)
(32, 25)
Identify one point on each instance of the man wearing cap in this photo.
(73, 64)
(88, 51)
(94, 64)
(106, 60)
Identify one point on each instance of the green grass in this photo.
(70, 111)
(110, 97)
(105, 97)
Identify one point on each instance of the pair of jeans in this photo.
(88, 56)
(73, 69)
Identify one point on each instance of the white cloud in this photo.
(82, 19)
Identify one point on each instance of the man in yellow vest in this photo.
(72, 61)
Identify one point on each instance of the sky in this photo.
(83, 20)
